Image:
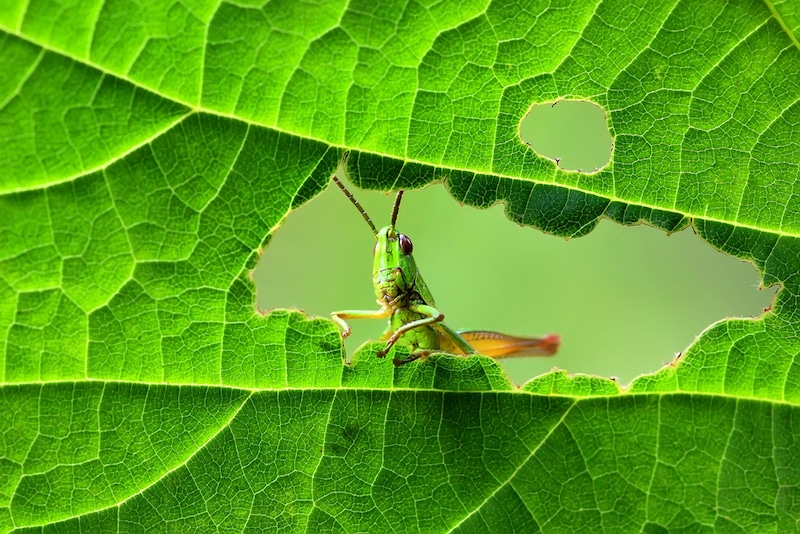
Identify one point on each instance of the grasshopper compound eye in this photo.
(405, 244)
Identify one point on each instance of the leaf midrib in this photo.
(517, 391)
(193, 109)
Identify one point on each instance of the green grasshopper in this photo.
(406, 301)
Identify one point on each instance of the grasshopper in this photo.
(406, 301)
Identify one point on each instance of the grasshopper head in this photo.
(394, 270)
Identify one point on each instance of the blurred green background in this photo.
(625, 300)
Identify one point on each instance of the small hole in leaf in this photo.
(573, 133)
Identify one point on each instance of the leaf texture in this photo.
(149, 150)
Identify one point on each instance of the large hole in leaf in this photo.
(625, 300)
(572, 133)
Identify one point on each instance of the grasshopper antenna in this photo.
(396, 207)
(349, 195)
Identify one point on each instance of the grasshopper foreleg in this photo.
(340, 316)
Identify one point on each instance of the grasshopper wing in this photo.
(497, 345)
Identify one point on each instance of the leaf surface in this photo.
(149, 151)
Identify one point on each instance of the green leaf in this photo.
(149, 151)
